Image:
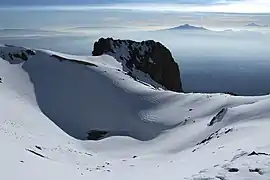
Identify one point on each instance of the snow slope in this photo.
(50, 101)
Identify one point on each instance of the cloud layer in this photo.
(80, 2)
(226, 6)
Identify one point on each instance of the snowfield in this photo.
(50, 101)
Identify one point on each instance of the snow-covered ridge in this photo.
(52, 102)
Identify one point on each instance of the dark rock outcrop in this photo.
(149, 57)
(258, 154)
(233, 169)
(220, 115)
(96, 135)
(16, 55)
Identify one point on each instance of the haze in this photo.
(230, 51)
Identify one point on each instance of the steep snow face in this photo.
(51, 100)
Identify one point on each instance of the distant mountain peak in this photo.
(256, 25)
(189, 27)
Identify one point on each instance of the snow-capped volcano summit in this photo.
(50, 103)
(255, 25)
(188, 27)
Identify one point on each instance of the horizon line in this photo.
(149, 7)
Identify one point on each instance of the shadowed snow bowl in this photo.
(80, 98)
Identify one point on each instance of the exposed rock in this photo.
(35, 153)
(257, 170)
(150, 57)
(96, 135)
(258, 154)
(221, 177)
(21, 56)
(217, 134)
(16, 55)
(38, 147)
(206, 140)
(220, 115)
(231, 93)
(233, 169)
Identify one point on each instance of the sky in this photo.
(155, 14)
(226, 6)
(42, 2)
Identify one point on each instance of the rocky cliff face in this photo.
(147, 61)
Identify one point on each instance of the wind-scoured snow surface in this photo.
(49, 101)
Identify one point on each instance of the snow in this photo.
(47, 106)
